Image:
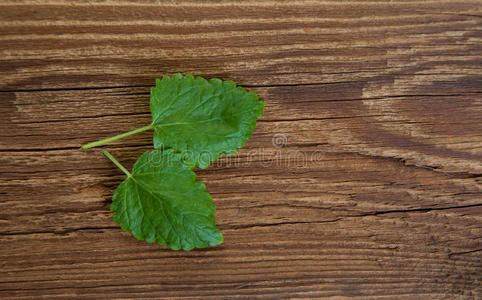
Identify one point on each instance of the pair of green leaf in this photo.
(195, 121)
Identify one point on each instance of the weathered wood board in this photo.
(361, 180)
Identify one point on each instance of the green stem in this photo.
(109, 156)
(114, 138)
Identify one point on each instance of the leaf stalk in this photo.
(115, 138)
(117, 163)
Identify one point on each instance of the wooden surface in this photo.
(361, 180)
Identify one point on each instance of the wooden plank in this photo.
(361, 180)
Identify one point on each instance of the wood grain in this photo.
(362, 179)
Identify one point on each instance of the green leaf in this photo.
(195, 121)
(162, 202)
(202, 119)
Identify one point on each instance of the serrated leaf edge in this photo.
(201, 188)
(251, 126)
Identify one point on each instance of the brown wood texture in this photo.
(362, 179)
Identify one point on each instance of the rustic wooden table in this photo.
(361, 180)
